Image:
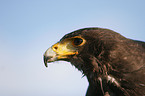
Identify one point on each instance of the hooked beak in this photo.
(49, 56)
(59, 51)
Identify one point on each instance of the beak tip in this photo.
(45, 61)
(46, 65)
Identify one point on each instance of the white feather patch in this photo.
(112, 80)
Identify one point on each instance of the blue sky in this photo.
(29, 27)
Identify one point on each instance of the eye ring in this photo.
(77, 41)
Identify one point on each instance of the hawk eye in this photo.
(77, 41)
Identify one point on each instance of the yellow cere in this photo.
(64, 49)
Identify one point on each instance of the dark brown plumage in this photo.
(113, 64)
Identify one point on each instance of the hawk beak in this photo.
(59, 51)
(49, 56)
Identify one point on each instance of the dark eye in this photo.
(77, 41)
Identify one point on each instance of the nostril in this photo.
(55, 47)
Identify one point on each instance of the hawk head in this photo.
(81, 48)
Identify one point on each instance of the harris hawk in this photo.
(114, 65)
